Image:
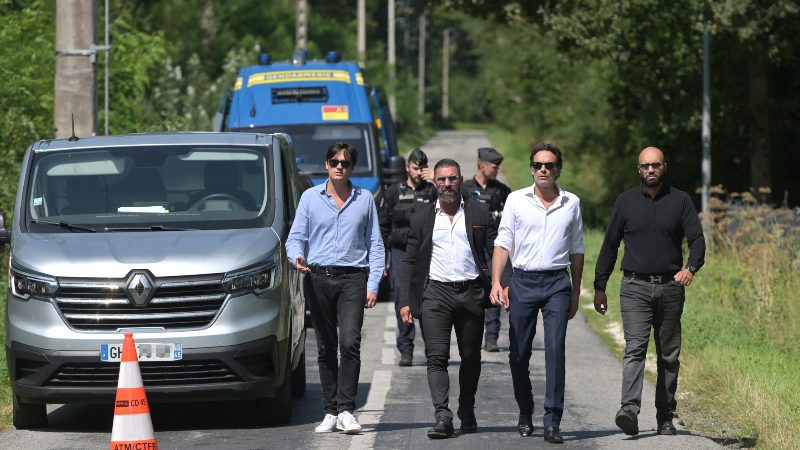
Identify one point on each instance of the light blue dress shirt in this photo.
(328, 236)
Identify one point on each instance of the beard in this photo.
(449, 196)
(652, 182)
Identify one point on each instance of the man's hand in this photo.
(600, 302)
(372, 298)
(573, 307)
(405, 314)
(684, 277)
(427, 173)
(496, 295)
(506, 301)
(300, 265)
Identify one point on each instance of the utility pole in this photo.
(75, 78)
(706, 136)
(301, 27)
(391, 57)
(362, 33)
(421, 72)
(446, 74)
(107, 47)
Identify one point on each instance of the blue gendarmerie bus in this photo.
(317, 103)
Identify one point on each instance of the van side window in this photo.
(289, 177)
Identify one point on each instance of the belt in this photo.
(332, 271)
(656, 278)
(538, 273)
(455, 284)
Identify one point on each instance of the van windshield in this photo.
(153, 187)
(311, 143)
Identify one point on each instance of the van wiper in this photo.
(65, 225)
(150, 228)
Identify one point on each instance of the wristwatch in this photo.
(691, 268)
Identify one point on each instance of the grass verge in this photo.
(740, 375)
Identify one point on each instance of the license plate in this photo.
(149, 351)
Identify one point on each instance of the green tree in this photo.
(26, 94)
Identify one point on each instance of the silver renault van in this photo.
(176, 237)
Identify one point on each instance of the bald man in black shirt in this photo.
(652, 220)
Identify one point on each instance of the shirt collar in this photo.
(323, 187)
(532, 192)
(438, 207)
(661, 192)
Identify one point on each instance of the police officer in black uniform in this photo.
(485, 188)
(397, 205)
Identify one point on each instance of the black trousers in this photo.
(405, 331)
(445, 307)
(645, 306)
(337, 302)
(492, 323)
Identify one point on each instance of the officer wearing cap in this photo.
(397, 204)
(485, 188)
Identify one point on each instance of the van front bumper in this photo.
(246, 371)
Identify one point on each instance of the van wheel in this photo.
(299, 378)
(28, 415)
(277, 410)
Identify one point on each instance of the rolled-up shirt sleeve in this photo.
(505, 232)
(298, 234)
(377, 260)
(576, 233)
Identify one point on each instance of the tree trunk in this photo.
(759, 141)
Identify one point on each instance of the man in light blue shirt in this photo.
(336, 240)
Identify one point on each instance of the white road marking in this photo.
(371, 412)
(387, 356)
(389, 338)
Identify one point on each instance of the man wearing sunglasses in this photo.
(335, 239)
(446, 287)
(542, 231)
(652, 219)
(485, 187)
(397, 204)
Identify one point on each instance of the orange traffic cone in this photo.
(133, 429)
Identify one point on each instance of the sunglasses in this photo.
(441, 180)
(655, 165)
(335, 162)
(547, 165)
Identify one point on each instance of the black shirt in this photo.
(397, 205)
(653, 230)
(494, 195)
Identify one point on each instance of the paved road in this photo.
(461, 145)
(394, 402)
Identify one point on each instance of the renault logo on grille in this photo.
(140, 288)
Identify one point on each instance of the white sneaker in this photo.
(347, 423)
(328, 424)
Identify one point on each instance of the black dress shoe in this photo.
(468, 422)
(405, 359)
(553, 435)
(666, 427)
(443, 428)
(627, 422)
(525, 425)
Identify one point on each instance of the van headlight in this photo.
(27, 284)
(252, 279)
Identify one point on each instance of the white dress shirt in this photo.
(452, 258)
(538, 238)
